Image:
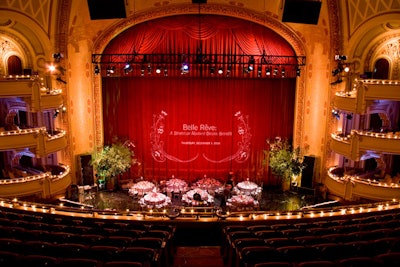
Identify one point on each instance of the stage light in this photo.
(51, 68)
(59, 79)
(158, 70)
(298, 72)
(267, 71)
(283, 72)
(149, 69)
(275, 71)
(110, 70)
(259, 71)
(228, 71)
(58, 57)
(165, 71)
(220, 70)
(346, 69)
(212, 70)
(96, 69)
(184, 68)
(340, 57)
(142, 71)
(127, 68)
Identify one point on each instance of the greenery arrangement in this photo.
(283, 160)
(112, 160)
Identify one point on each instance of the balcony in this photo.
(353, 146)
(34, 94)
(44, 184)
(354, 187)
(38, 140)
(364, 92)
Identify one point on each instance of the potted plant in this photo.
(111, 161)
(284, 161)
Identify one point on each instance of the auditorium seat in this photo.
(102, 253)
(122, 264)
(389, 259)
(333, 251)
(280, 242)
(8, 259)
(78, 262)
(11, 245)
(259, 227)
(357, 262)
(298, 253)
(37, 261)
(274, 264)
(265, 234)
(146, 256)
(317, 263)
(249, 256)
(70, 250)
(309, 240)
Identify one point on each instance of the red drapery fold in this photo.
(195, 127)
(183, 34)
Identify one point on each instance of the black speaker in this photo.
(301, 11)
(307, 175)
(106, 9)
(86, 169)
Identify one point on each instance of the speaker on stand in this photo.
(86, 169)
(307, 174)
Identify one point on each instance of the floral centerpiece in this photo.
(112, 160)
(284, 160)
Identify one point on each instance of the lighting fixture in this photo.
(283, 72)
(96, 69)
(110, 70)
(267, 71)
(158, 70)
(259, 71)
(298, 72)
(220, 70)
(275, 71)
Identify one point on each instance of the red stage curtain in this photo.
(191, 127)
(216, 34)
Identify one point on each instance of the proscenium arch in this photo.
(213, 9)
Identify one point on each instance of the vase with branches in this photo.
(284, 160)
(112, 160)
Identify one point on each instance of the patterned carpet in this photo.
(198, 256)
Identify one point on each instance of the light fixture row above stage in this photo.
(205, 65)
(268, 71)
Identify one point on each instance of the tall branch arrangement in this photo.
(113, 160)
(284, 160)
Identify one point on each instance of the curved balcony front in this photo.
(22, 138)
(44, 184)
(357, 100)
(352, 187)
(353, 146)
(37, 140)
(37, 97)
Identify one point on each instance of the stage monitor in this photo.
(301, 11)
(106, 9)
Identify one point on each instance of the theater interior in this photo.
(243, 133)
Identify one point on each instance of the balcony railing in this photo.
(357, 142)
(30, 88)
(46, 184)
(36, 139)
(364, 92)
(353, 187)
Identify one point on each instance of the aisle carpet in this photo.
(198, 256)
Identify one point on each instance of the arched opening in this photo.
(14, 65)
(199, 122)
(381, 69)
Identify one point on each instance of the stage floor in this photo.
(272, 199)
